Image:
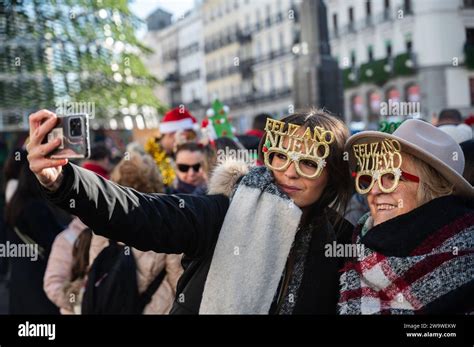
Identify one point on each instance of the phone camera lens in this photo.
(75, 126)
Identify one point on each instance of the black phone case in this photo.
(72, 147)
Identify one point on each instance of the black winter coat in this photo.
(27, 296)
(186, 224)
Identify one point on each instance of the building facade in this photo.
(239, 51)
(191, 62)
(403, 51)
(249, 57)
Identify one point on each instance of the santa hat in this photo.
(176, 119)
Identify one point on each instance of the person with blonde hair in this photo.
(417, 241)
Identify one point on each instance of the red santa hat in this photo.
(176, 119)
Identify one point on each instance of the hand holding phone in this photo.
(73, 133)
(47, 171)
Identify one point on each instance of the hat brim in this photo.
(461, 186)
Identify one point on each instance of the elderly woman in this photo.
(417, 241)
(256, 244)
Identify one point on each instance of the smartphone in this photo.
(73, 130)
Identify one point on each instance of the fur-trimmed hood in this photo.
(226, 175)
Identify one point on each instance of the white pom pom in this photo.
(226, 108)
(210, 112)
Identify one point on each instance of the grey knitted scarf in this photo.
(252, 249)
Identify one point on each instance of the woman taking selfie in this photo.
(255, 245)
(418, 239)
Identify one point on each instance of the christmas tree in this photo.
(217, 124)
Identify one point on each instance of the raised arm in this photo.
(163, 223)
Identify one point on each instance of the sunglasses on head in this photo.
(185, 167)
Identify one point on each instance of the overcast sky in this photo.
(143, 8)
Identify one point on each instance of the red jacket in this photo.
(96, 168)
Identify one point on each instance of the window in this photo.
(370, 53)
(351, 18)
(407, 6)
(334, 23)
(284, 77)
(272, 81)
(409, 46)
(468, 3)
(470, 36)
(388, 47)
(282, 40)
(223, 63)
(270, 43)
(353, 58)
(268, 13)
(386, 9)
(258, 49)
(368, 8)
(471, 87)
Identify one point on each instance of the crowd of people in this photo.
(175, 227)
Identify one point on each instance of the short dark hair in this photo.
(260, 120)
(100, 151)
(189, 146)
(449, 116)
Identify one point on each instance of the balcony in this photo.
(245, 68)
(244, 36)
(273, 55)
(172, 78)
(380, 71)
(376, 71)
(257, 97)
(296, 14)
(404, 64)
(350, 77)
